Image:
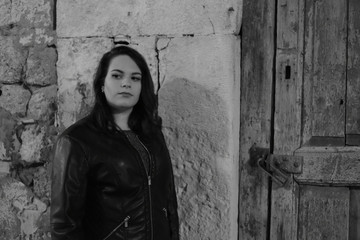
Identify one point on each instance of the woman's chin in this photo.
(121, 109)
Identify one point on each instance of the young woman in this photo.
(112, 174)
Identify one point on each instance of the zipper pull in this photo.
(149, 180)
(165, 211)
(126, 223)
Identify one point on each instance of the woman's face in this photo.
(122, 85)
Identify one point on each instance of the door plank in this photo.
(288, 24)
(287, 116)
(353, 81)
(325, 68)
(323, 213)
(354, 228)
(287, 122)
(330, 165)
(284, 212)
(256, 85)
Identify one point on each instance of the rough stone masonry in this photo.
(48, 53)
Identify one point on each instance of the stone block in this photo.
(42, 104)
(4, 168)
(12, 60)
(198, 101)
(33, 20)
(3, 152)
(20, 211)
(29, 37)
(7, 130)
(42, 184)
(32, 13)
(32, 143)
(41, 66)
(5, 12)
(10, 224)
(77, 63)
(14, 98)
(147, 17)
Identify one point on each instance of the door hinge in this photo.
(279, 167)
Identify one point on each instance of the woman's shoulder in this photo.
(81, 129)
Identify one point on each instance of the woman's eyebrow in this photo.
(117, 70)
(120, 71)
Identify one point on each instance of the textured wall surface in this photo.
(48, 57)
(198, 101)
(28, 92)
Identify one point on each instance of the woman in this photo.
(112, 174)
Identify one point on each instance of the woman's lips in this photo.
(126, 94)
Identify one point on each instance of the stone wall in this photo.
(49, 51)
(28, 89)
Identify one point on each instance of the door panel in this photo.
(324, 68)
(353, 76)
(309, 108)
(320, 208)
(256, 84)
(287, 114)
(354, 223)
(317, 74)
(336, 166)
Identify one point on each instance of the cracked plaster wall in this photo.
(48, 54)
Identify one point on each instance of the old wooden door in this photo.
(317, 116)
(312, 110)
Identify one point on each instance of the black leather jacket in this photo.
(101, 190)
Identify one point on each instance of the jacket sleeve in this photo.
(172, 203)
(68, 190)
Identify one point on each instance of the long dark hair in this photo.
(143, 118)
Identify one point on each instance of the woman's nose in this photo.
(126, 83)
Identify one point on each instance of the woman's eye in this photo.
(117, 76)
(136, 79)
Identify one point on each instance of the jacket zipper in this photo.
(125, 222)
(148, 173)
(165, 212)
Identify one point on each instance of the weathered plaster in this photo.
(198, 96)
(77, 62)
(147, 17)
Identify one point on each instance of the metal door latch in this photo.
(279, 167)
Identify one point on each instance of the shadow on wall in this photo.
(196, 126)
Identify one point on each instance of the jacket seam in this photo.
(81, 147)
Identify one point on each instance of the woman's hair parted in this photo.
(143, 118)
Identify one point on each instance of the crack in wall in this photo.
(157, 56)
(54, 14)
(212, 25)
(158, 49)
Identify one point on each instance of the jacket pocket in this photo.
(124, 223)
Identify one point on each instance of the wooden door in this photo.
(317, 116)
(300, 95)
